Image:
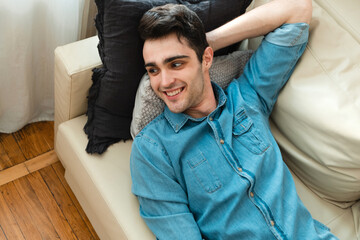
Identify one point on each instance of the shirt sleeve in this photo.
(274, 61)
(163, 202)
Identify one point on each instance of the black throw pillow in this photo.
(112, 94)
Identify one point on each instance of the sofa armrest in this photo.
(73, 70)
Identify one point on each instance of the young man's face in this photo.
(176, 74)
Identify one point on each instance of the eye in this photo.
(152, 71)
(176, 64)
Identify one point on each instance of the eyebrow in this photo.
(167, 60)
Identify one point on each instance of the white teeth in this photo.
(173, 93)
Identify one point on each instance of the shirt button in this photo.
(222, 141)
(252, 194)
(210, 118)
(272, 223)
(240, 169)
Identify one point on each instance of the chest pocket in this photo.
(204, 173)
(246, 133)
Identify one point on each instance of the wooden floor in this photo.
(35, 200)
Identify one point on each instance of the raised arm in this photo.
(260, 21)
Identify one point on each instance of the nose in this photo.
(167, 79)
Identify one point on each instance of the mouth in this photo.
(173, 93)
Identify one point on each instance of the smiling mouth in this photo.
(173, 93)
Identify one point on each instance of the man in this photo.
(208, 166)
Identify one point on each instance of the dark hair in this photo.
(161, 21)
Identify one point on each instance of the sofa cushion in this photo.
(342, 222)
(148, 106)
(112, 94)
(318, 112)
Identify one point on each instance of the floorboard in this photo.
(11, 153)
(65, 203)
(8, 222)
(23, 169)
(46, 130)
(5, 160)
(20, 212)
(32, 141)
(13, 173)
(2, 234)
(50, 206)
(35, 208)
(35, 200)
(60, 171)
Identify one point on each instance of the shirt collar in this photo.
(178, 120)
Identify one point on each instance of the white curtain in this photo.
(30, 30)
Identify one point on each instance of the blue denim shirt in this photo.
(222, 176)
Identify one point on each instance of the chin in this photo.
(175, 109)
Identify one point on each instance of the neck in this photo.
(206, 106)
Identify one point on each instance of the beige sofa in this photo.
(316, 122)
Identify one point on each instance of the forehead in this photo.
(157, 50)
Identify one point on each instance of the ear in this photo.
(208, 58)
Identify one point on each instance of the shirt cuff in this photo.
(289, 34)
